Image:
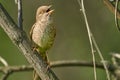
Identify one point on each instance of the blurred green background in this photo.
(71, 40)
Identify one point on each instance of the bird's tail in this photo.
(35, 76)
(44, 56)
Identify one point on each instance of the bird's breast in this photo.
(43, 34)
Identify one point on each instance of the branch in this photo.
(20, 39)
(111, 8)
(81, 4)
(116, 19)
(56, 64)
(114, 10)
(5, 76)
(93, 43)
(20, 18)
(74, 63)
(3, 61)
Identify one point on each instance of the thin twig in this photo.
(11, 69)
(5, 76)
(20, 18)
(74, 63)
(3, 61)
(54, 64)
(116, 19)
(101, 57)
(111, 7)
(89, 35)
(16, 68)
(7, 71)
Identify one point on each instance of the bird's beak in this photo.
(49, 6)
(50, 12)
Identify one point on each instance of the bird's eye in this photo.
(48, 10)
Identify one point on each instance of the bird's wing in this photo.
(31, 31)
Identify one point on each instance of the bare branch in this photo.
(3, 61)
(57, 64)
(11, 69)
(16, 68)
(89, 36)
(54, 64)
(74, 63)
(101, 57)
(116, 19)
(5, 76)
(20, 39)
(111, 7)
(20, 18)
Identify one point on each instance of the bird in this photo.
(43, 31)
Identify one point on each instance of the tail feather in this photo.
(36, 76)
(44, 56)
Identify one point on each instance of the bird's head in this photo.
(43, 11)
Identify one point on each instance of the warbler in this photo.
(43, 31)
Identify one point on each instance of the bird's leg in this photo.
(47, 60)
(34, 47)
